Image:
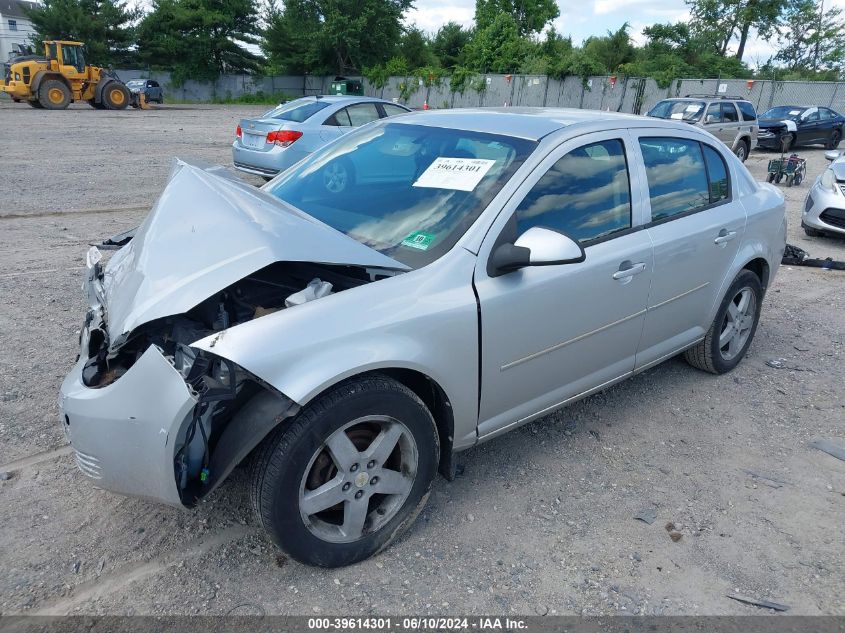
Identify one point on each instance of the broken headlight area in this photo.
(221, 388)
(276, 287)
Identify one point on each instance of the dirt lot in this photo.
(541, 521)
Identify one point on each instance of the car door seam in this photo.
(580, 337)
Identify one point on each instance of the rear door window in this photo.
(362, 113)
(717, 175)
(339, 118)
(677, 176)
(729, 114)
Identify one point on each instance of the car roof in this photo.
(343, 98)
(529, 123)
(705, 98)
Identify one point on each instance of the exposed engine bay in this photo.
(220, 387)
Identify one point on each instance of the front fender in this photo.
(424, 320)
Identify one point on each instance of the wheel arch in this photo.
(760, 267)
(42, 75)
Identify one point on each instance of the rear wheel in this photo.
(115, 96)
(54, 95)
(833, 141)
(732, 331)
(338, 175)
(741, 151)
(348, 474)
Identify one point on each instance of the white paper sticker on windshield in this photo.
(794, 112)
(676, 115)
(693, 108)
(462, 174)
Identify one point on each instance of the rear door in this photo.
(810, 128)
(550, 333)
(696, 226)
(730, 123)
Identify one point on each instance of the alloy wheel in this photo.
(738, 323)
(358, 480)
(335, 177)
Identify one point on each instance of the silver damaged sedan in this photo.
(477, 270)
(824, 207)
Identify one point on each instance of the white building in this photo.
(15, 28)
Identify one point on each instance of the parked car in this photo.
(152, 89)
(730, 119)
(784, 127)
(479, 269)
(288, 133)
(824, 208)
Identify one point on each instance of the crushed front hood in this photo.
(206, 232)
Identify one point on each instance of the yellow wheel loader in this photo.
(62, 77)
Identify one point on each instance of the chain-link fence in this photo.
(634, 95)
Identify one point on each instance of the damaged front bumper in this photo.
(125, 434)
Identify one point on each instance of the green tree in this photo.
(530, 16)
(611, 50)
(811, 39)
(497, 47)
(291, 39)
(200, 39)
(357, 34)
(415, 48)
(104, 26)
(449, 42)
(718, 23)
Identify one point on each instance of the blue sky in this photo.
(588, 17)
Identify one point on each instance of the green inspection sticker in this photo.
(419, 240)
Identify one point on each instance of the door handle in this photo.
(724, 237)
(629, 271)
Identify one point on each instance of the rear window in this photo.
(296, 111)
(747, 110)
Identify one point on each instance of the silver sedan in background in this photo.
(479, 269)
(289, 132)
(824, 208)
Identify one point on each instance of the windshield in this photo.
(408, 191)
(679, 110)
(783, 112)
(297, 110)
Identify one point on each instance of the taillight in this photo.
(283, 137)
(238, 132)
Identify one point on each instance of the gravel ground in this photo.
(541, 520)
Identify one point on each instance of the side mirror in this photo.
(832, 154)
(537, 247)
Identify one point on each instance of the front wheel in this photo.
(115, 96)
(732, 331)
(348, 474)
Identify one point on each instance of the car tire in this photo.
(834, 140)
(741, 151)
(35, 104)
(813, 232)
(361, 439)
(787, 142)
(733, 327)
